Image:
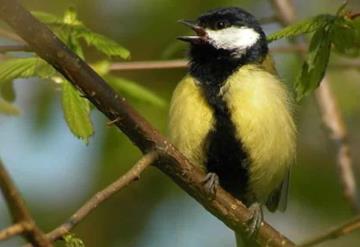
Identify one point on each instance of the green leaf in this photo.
(44, 70)
(75, 46)
(15, 68)
(7, 91)
(345, 36)
(70, 17)
(70, 26)
(102, 67)
(314, 67)
(102, 43)
(72, 241)
(24, 68)
(8, 109)
(134, 90)
(76, 112)
(307, 26)
(47, 18)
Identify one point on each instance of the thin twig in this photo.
(101, 196)
(181, 64)
(353, 16)
(18, 210)
(337, 232)
(333, 120)
(14, 230)
(331, 115)
(12, 48)
(285, 11)
(346, 64)
(10, 35)
(144, 65)
(189, 177)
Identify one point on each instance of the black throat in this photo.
(225, 154)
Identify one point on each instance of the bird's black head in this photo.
(228, 35)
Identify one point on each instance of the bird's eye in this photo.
(221, 25)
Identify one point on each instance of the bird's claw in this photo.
(211, 182)
(254, 223)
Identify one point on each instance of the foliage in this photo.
(338, 31)
(72, 241)
(76, 112)
(306, 26)
(7, 108)
(76, 108)
(128, 87)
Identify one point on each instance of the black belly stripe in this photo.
(225, 154)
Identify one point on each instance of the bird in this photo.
(231, 115)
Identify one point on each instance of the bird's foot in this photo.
(211, 182)
(254, 223)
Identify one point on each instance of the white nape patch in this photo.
(233, 38)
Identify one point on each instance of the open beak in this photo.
(200, 36)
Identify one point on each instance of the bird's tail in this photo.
(243, 241)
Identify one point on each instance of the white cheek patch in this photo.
(233, 38)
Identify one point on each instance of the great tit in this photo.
(231, 114)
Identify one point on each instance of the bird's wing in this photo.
(278, 199)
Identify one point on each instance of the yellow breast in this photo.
(190, 120)
(261, 112)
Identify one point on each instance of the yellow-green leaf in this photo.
(76, 112)
(345, 36)
(70, 17)
(24, 68)
(314, 67)
(70, 26)
(134, 90)
(7, 108)
(47, 17)
(72, 241)
(306, 26)
(7, 91)
(102, 43)
(102, 67)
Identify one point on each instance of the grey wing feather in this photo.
(278, 199)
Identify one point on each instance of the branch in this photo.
(170, 64)
(345, 229)
(181, 64)
(346, 64)
(231, 211)
(9, 35)
(14, 230)
(353, 16)
(331, 115)
(129, 177)
(19, 212)
(11, 48)
(285, 11)
(333, 120)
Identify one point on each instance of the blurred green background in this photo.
(56, 172)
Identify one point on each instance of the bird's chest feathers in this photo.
(260, 110)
